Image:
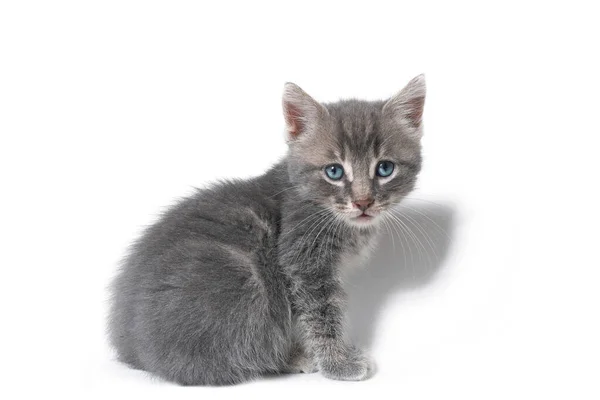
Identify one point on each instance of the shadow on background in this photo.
(410, 253)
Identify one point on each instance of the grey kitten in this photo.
(244, 279)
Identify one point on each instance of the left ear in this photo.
(406, 107)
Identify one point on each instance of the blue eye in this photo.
(334, 171)
(385, 168)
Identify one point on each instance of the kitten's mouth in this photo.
(364, 217)
(361, 218)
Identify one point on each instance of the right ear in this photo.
(301, 112)
(406, 107)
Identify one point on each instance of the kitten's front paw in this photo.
(350, 365)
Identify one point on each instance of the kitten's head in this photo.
(357, 158)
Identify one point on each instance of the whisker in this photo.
(422, 231)
(314, 217)
(323, 219)
(402, 238)
(441, 230)
(412, 235)
(284, 190)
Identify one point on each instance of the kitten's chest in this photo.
(357, 254)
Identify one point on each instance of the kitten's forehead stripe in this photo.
(341, 137)
(376, 146)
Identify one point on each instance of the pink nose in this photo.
(362, 205)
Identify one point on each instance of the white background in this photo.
(111, 110)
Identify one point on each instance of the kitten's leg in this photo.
(320, 301)
(301, 358)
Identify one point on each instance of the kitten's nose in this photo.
(362, 205)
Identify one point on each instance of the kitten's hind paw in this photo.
(302, 363)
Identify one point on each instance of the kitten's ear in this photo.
(302, 113)
(406, 107)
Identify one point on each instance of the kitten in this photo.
(243, 279)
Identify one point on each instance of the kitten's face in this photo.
(356, 158)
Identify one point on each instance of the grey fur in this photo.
(244, 279)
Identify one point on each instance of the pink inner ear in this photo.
(415, 109)
(294, 119)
